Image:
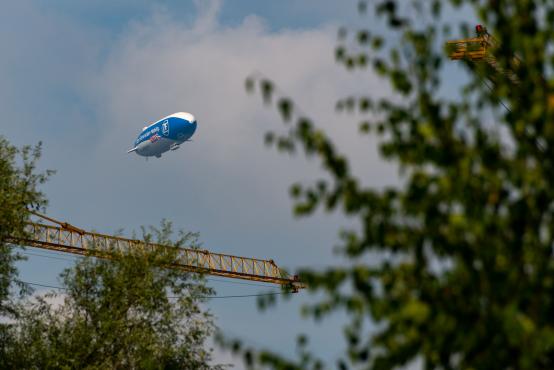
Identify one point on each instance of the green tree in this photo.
(19, 182)
(131, 312)
(466, 274)
(19, 193)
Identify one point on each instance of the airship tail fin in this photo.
(131, 150)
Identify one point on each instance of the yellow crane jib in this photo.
(474, 48)
(478, 49)
(70, 239)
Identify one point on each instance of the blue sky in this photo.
(290, 14)
(85, 77)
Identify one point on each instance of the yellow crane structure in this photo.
(478, 50)
(64, 237)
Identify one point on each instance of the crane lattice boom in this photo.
(70, 239)
(479, 50)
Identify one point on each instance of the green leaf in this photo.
(266, 87)
(249, 85)
(285, 108)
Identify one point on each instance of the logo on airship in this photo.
(165, 128)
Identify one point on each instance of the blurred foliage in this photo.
(19, 182)
(466, 274)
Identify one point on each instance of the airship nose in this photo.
(188, 123)
(189, 118)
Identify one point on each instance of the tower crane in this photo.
(478, 50)
(64, 237)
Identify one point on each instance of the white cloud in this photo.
(221, 356)
(161, 66)
(53, 298)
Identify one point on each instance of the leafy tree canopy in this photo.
(19, 193)
(131, 312)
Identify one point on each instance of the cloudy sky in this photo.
(85, 77)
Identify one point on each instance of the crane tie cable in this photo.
(170, 297)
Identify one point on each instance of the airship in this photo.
(165, 134)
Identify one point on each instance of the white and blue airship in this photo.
(165, 134)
